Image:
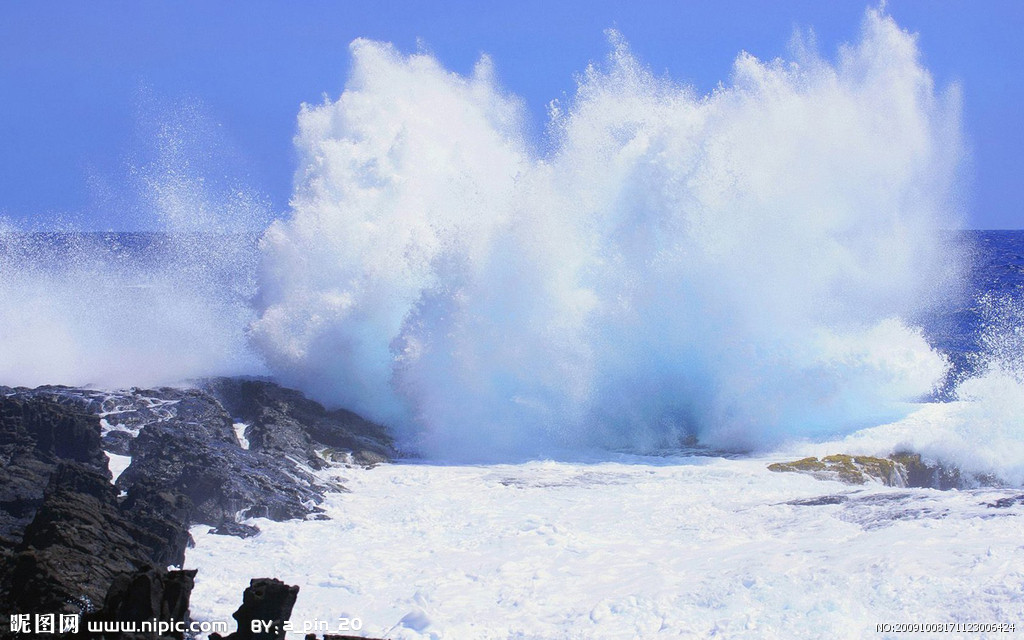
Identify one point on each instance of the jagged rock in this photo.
(183, 440)
(902, 469)
(367, 458)
(66, 532)
(937, 476)
(161, 519)
(52, 430)
(147, 595)
(1006, 503)
(236, 529)
(283, 421)
(35, 435)
(119, 442)
(848, 469)
(203, 461)
(268, 600)
(74, 547)
(193, 449)
(819, 501)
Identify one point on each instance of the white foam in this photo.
(982, 432)
(645, 549)
(240, 428)
(117, 464)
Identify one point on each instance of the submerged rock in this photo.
(938, 476)
(237, 529)
(1006, 503)
(819, 501)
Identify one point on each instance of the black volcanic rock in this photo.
(35, 435)
(146, 595)
(64, 531)
(267, 600)
(218, 476)
(68, 536)
(119, 442)
(54, 431)
(75, 545)
(161, 519)
(283, 421)
(237, 529)
(193, 449)
(183, 441)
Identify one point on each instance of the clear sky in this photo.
(85, 86)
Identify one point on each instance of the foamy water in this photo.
(643, 548)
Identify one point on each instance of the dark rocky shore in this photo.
(72, 541)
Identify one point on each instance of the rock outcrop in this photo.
(146, 595)
(194, 449)
(183, 442)
(35, 436)
(199, 456)
(903, 469)
(284, 422)
(78, 542)
(70, 539)
(64, 532)
(268, 601)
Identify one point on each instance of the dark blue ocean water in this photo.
(994, 271)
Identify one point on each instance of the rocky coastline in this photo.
(76, 539)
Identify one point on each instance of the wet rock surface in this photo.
(184, 441)
(283, 421)
(68, 535)
(83, 535)
(1006, 503)
(901, 469)
(198, 455)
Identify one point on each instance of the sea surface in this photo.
(994, 281)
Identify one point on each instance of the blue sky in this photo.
(85, 87)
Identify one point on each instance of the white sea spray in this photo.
(739, 267)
